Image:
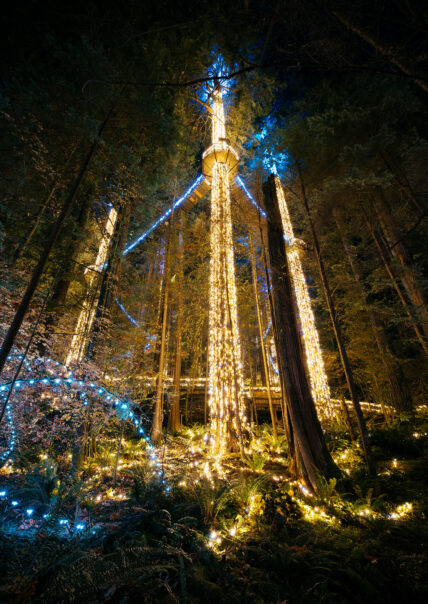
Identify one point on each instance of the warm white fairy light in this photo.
(225, 380)
(87, 314)
(317, 375)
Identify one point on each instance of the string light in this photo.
(60, 381)
(126, 313)
(166, 215)
(128, 409)
(87, 314)
(250, 197)
(317, 375)
(225, 380)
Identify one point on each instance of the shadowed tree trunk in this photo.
(338, 333)
(306, 434)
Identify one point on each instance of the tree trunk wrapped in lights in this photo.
(225, 380)
(317, 375)
(305, 434)
(87, 314)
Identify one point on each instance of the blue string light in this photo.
(164, 216)
(126, 313)
(241, 183)
(55, 381)
(66, 383)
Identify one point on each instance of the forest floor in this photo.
(181, 526)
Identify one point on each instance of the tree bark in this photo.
(338, 333)
(51, 240)
(311, 449)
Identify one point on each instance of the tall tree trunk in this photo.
(338, 333)
(395, 284)
(404, 64)
(174, 415)
(262, 344)
(157, 411)
(311, 449)
(399, 396)
(398, 250)
(38, 270)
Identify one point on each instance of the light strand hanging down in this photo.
(317, 375)
(87, 314)
(225, 381)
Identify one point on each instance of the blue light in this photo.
(250, 197)
(3, 493)
(164, 216)
(100, 390)
(14, 503)
(29, 511)
(80, 527)
(126, 313)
